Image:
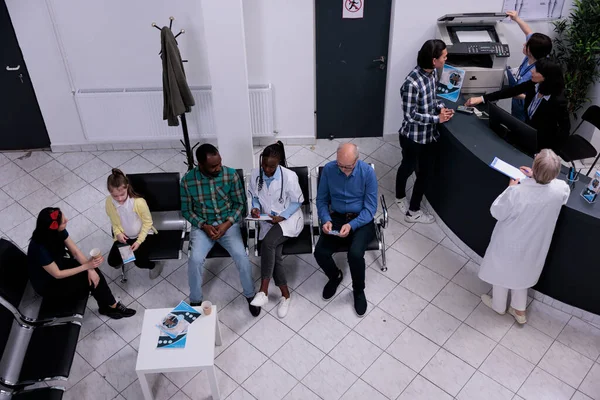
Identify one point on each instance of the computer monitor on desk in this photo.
(513, 130)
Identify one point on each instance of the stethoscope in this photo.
(281, 189)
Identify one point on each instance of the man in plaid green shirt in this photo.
(213, 200)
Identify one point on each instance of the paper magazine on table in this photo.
(174, 326)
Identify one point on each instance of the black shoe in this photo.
(331, 287)
(360, 303)
(255, 311)
(195, 304)
(120, 311)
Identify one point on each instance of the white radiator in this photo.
(135, 114)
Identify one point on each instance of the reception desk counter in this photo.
(464, 187)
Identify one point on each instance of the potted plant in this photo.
(577, 49)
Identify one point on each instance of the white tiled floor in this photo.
(426, 336)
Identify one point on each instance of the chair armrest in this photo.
(41, 323)
(383, 221)
(35, 322)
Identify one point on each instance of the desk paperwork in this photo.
(507, 169)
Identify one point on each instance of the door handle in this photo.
(18, 67)
(380, 59)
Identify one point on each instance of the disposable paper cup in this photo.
(95, 253)
(206, 307)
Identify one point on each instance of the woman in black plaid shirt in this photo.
(418, 134)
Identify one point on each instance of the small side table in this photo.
(198, 353)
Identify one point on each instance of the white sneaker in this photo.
(521, 319)
(487, 300)
(156, 271)
(419, 217)
(403, 205)
(284, 307)
(260, 300)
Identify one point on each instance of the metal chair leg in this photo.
(383, 260)
(593, 165)
(123, 275)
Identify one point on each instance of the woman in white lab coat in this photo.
(275, 191)
(526, 212)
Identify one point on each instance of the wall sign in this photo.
(353, 9)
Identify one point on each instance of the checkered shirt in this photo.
(212, 200)
(420, 106)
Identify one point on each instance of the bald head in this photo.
(347, 155)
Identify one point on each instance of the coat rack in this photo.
(188, 150)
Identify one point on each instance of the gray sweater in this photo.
(177, 96)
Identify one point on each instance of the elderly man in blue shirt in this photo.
(346, 203)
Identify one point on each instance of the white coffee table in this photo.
(198, 353)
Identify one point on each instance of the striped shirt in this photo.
(212, 200)
(420, 106)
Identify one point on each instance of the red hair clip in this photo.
(54, 216)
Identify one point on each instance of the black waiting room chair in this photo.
(378, 242)
(33, 348)
(13, 285)
(304, 243)
(31, 354)
(578, 148)
(161, 192)
(47, 393)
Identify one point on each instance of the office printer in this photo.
(477, 45)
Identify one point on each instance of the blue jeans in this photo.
(200, 245)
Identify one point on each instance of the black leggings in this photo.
(415, 157)
(142, 254)
(77, 286)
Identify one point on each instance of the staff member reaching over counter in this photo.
(418, 133)
(536, 47)
(545, 104)
(527, 212)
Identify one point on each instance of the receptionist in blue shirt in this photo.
(346, 204)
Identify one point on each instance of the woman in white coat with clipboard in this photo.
(527, 212)
(275, 193)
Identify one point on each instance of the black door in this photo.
(351, 69)
(21, 123)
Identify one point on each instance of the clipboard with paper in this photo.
(507, 169)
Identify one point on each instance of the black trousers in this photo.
(357, 242)
(142, 259)
(415, 157)
(78, 287)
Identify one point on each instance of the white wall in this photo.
(111, 44)
(35, 34)
(411, 27)
(280, 46)
(229, 79)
